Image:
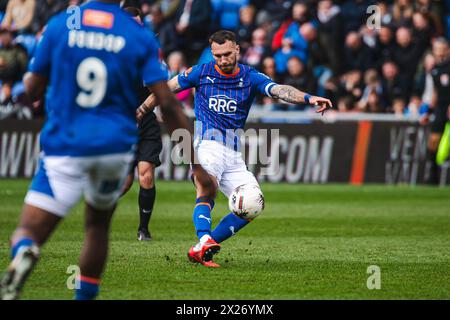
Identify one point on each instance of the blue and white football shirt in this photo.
(223, 101)
(95, 69)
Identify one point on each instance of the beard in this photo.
(228, 68)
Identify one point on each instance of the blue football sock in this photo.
(227, 227)
(87, 288)
(202, 216)
(23, 242)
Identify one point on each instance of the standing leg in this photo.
(106, 176)
(94, 252)
(202, 211)
(147, 195)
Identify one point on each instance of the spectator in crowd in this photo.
(300, 15)
(398, 107)
(168, 8)
(164, 29)
(371, 100)
(402, 12)
(422, 96)
(330, 33)
(13, 64)
(44, 10)
(435, 11)
(19, 15)
(246, 27)
(258, 50)
(348, 85)
(176, 63)
(228, 11)
(421, 31)
(346, 104)
(354, 14)
(384, 46)
(372, 104)
(385, 13)
(297, 76)
(407, 54)
(285, 53)
(278, 10)
(394, 85)
(191, 25)
(356, 53)
(329, 37)
(302, 36)
(268, 68)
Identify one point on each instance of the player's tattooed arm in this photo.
(151, 102)
(293, 95)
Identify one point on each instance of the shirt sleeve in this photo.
(41, 61)
(261, 82)
(154, 70)
(189, 78)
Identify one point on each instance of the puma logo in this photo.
(203, 217)
(210, 79)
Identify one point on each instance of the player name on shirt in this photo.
(96, 41)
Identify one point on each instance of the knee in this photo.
(146, 178)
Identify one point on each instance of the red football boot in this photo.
(203, 253)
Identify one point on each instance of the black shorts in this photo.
(440, 119)
(150, 144)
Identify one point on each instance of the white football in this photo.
(247, 201)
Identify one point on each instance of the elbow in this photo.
(34, 88)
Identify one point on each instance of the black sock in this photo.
(146, 201)
(434, 169)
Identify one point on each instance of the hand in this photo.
(323, 103)
(139, 115)
(141, 111)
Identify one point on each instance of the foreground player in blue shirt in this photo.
(225, 91)
(93, 72)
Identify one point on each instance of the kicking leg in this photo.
(234, 177)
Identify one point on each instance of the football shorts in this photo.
(61, 181)
(225, 164)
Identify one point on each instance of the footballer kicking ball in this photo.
(247, 201)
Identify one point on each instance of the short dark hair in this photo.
(134, 12)
(222, 36)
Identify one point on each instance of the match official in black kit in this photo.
(147, 158)
(438, 114)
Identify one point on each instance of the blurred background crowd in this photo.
(364, 62)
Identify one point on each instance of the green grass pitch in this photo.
(312, 242)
